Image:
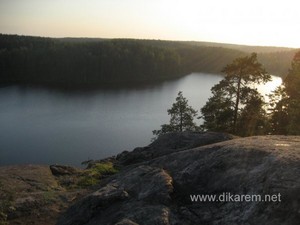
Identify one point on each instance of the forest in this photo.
(69, 61)
(237, 107)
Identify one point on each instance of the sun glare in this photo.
(253, 22)
(269, 87)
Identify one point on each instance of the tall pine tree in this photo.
(228, 109)
(285, 102)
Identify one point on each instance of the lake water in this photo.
(48, 126)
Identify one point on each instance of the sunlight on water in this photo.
(268, 88)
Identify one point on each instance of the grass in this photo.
(93, 175)
(49, 196)
(104, 169)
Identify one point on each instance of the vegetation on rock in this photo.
(182, 117)
(92, 176)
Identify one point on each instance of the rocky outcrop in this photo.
(170, 143)
(142, 186)
(61, 170)
(158, 188)
(163, 145)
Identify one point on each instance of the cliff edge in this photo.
(166, 183)
(180, 179)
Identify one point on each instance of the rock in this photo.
(61, 170)
(126, 222)
(158, 191)
(170, 143)
(139, 195)
(87, 208)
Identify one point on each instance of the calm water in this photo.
(47, 126)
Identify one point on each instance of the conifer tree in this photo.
(235, 94)
(285, 104)
(182, 117)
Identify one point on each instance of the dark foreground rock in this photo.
(158, 189)
(164, 145)
(170, 143)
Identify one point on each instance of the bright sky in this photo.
(252, 22)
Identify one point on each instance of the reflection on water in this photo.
(269, 87)
(47, 126)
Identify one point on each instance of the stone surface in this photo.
(170, 143)
(62, 170)
(157, 189)
(126, 222)
(145, 189)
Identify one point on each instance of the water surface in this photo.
(47, 126)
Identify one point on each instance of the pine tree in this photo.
(182, 117)
(285, 104)
(234, 93)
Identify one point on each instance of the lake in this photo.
(52, 126)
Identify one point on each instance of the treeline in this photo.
(277, 63)
(44, 60)
(96, 61)
(238, 108)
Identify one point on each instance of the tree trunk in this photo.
(237, 102)
(181, 121)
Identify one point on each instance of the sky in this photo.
(251, 22)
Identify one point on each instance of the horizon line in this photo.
(151, 39)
